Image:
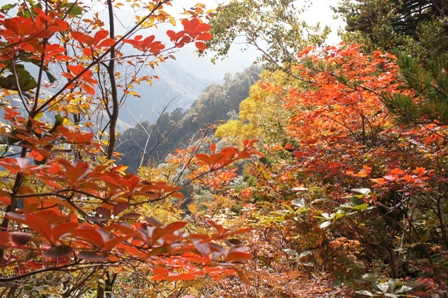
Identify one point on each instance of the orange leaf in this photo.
(83, 38)
(36, 155)
(88, 52)
(40, 225)
(61, 229)
(242, 276)
(160, 271)
(212, 147)
(107, 43)
(203, 157)
(239, 256)
(205, 36)
(216, 158)
(100, 35)
(90, 234)
(113, 242)
(200, 46)
(178, 277)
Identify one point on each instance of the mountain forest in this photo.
(320, 171)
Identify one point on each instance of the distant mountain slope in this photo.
(174, 83)
(153, 142)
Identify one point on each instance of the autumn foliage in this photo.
(65, 204)
(349, 188)
(344, 189)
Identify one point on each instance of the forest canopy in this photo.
(321, 172)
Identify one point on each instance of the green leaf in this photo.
(361, 207)
(24, 78)
(7, 7)
(356, 201)
(74, 10)
(50, 76)
(339, 214)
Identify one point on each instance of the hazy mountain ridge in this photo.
(175, 84)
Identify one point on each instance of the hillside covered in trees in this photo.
(148, 143)
(322, 173)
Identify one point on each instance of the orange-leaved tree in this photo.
(384, 178)
(65, 205)
(347, 190)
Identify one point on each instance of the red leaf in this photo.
(216, 226)
(40, 225)
(242, 276)
(53, 215)
(187, 26)
(12, 25)
(104, 212)
(215, 159)
(124, 228)
(16, 217)
(203, 157)
(90, 234)
(176, 225)
(238, 256)
(88, 89)
(194, 258)
(177, 195)
(205, 36)
(83, 38)
(178, 277)
(5, 199)
(76, 173)
(20, 238)
(107, 43)
(213, 147)
(200, 46)
(34, 265)
(75, 69)
(112, 243)
(61, 229)
(202, 27)
(100, 35)
(120, 207)
(15, 165)
(88, 52)
(160, 271)
(171, 34)
(36, 155)
(5, 239)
